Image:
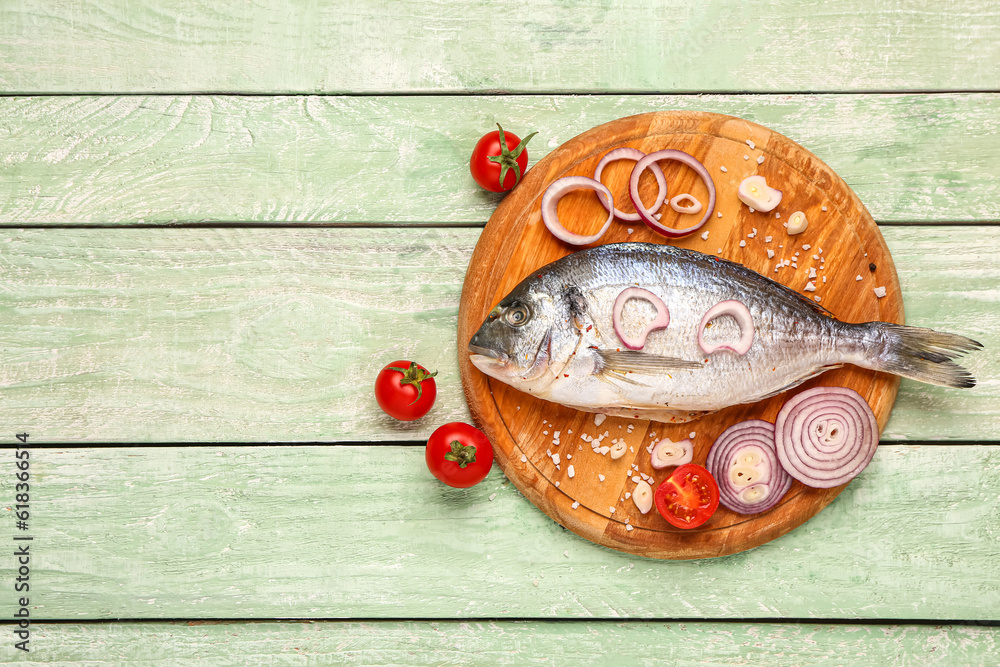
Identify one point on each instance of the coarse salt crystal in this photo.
(599, 419)
(824, 278)
(569, 456)
(760, 160)
(692, 434)
(556, 434)
(858, 279)
(746, 157)
(571, 472)
(810, 287)
(770, 253)
(719, 214)
(628, 494)
(743, 244)
(815, 256)
(795, 265)
(880, 292)
(818, 298)
(492, 496)
(751, 208)
(723, 169)
(806, 246)
(524, 459)
(823, 209)
(636, 479)
(630, 230)
(628, 527)
(604, 450)
(812, 272)
(545, 432)
(555, 459)
(600, 477)
(575, 504)
(557, 485)
(751, 144)
(612, 509)
(767, 239)
(704, 236)
(719, 252)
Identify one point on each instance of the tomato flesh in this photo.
(689, 497)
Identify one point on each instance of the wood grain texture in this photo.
(516, 243)
(367, 532)
(510, 643)
(457, 45)
(162, 160)
(248, 335)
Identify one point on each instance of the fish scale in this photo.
(553, 336)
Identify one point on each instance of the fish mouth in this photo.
(484, 351)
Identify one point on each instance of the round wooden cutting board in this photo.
(841, 234)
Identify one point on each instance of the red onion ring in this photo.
(825, 436)
(660, 322)
(743, 318)
(756, 436)
(695, 207)
(550, 200)
(645, 215)
(626, 153)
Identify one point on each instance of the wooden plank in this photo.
(511, 643)
(154, 160)
(453, 45)
(311, 531)
(245, 335)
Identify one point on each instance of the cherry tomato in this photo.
(459, 455)
(689, 497)
(499, 160)
(405, 390)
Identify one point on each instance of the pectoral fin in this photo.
(634, 361)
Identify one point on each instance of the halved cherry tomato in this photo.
(689, 497)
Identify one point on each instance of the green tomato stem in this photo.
(507, 158)
(461, 454)
(413, 375)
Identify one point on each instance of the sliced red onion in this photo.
(667, 453)
(744, 463)
(825, 436)
(550, 200)
(626, 153)
(675, 203)
(660, 322)
(646, 215)
(738, 312)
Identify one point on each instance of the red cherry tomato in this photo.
(497, 163)
(459, 455)
(405, 390)
(689, 497)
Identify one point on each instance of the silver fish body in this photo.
(553, 336)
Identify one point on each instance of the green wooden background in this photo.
(218, 220)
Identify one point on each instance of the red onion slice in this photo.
(626, 153)
(647, 216)
(825, 436)
(748, 447)
(555, 192)
(743, 318)
(660, 322)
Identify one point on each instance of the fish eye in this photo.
(517, 315)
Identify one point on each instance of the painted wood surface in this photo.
(157, 160)
(510, 643)
(248, 335)
(312, 531)
(477, 46)
(515, 243)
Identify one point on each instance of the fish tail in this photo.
(920, 354)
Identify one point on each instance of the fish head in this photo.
(524, 341)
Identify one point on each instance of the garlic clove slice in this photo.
(643, 497)
(618, 449)
(667, 453)
(797, 223)
(757, 194)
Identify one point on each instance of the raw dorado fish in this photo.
(553, 337)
